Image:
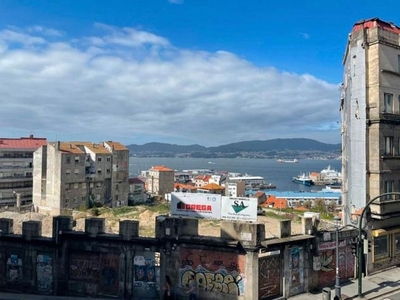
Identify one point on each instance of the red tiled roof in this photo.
(375, 22)
(116, 145)
(161, 169)
(22, 143)
(135, 180)
(259, 193)
(212, 186)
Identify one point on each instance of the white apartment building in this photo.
(370, 108)
(16, 168)
(69, 175)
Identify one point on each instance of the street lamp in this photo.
(337, 220)
(360, 247)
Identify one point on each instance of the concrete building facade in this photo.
(16, 169)
(370, 109)
(160, 180)
(69, 175)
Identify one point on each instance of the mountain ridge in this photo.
(293, 144)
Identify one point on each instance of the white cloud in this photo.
(304, 35)
(44, 30)
(135, 87)
(175, 1)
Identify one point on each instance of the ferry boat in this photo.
(303, 179)
(287, 161)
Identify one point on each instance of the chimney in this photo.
(31, 136)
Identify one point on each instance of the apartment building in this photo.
(70, 175)
(160, 180)
(370, 111)
(235, 188)
(16, 168)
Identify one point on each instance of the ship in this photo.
(287, 161)
(303, 179)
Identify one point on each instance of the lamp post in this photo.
(337, 220)
(360, 244)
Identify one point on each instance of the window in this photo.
(388, 186)
(99, 159)
(108, 159)
(76, 171)
(388, 103)
(99, 171)
(66, 201)
(84, 185)
(397, 243)
(76, 185)
(76, 159)
(68, 159)
(388, 145)
(381, 247)
(398, 63)
(68, 172)
(108, 171)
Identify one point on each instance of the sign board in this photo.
(239, 208)
(193, 205)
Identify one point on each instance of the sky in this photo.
(207, 72)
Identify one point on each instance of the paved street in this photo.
(380, 286)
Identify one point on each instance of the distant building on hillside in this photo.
(16, 169)
(69, 175)
(160, 181)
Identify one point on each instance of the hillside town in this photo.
(247, 260)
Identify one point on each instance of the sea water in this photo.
(279, 174)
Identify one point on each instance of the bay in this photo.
(279, 174)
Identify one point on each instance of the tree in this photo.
(320, 205)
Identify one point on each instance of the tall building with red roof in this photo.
(69, 175)
(370, 113)
(16, 169)
(160, 180)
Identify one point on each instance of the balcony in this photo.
(385, 209)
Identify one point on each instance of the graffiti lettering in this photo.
(83, 269)
(216, 282)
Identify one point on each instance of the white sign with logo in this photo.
(239, 208)
(196, 205)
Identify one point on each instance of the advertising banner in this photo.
(192, 205)
(239, 208)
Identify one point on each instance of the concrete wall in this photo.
(240, 264)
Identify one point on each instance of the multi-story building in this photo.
(16, 168)
(160, 180)
(137, 191)
(370, 108)
(235, 188)
(69, 175)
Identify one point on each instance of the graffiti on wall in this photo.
(221, 272)
(109, 273)
(296, 271)
(14, 269)
(269, 276)
(326, 275)
(145, 277)
(84, 266)
(44, 273)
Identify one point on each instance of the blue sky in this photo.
(179, 71)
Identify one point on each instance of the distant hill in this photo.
(163, 147)
(279, 145)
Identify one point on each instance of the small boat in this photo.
(303, 179)
(287, 161)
